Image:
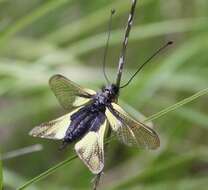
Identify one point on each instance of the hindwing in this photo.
(91, 151)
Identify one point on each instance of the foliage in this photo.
(1, 174)
(41, 38)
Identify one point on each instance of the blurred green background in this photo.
(40, 38)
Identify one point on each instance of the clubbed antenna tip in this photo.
(170, 43)
(113, 11)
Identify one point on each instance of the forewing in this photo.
(69, 94)
(130, 131)
(91, 151)
(55, 129)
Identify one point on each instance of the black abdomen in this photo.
(88, 118)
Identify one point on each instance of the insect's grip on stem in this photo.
(96, 181)
(125, 43)
(120, 69)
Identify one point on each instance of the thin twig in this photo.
(125, 43)
(151, 118)
(47, 172)
(177, 105)
(96, 180)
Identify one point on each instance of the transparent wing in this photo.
(55, 129)
(136, 114)
(69, 94)
(130, 131)
(91, 151)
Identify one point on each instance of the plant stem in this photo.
(125, 43)
(47, 172)
(30, 18)
(120, 70)
(1, 174)
(177, 105)
(22, 151)
(151, 118)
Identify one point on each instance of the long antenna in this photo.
(147, 61)
(125, 43)
(107, 45)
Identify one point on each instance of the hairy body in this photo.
(91, 116)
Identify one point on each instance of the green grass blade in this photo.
(155, 80)
(186, 183)
(78, 28)
(48, 172)
(151, 118)
(195, 116)
(33, 16)
(73, 30)
(184, 81)
(164, 169)
(139, 32)
(1, 174)
(150, 172)
(178, 105)
(2, 1)
(12, 180)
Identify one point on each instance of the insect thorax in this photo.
(106, 96)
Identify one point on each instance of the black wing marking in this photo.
(130, 131)
(69, 94)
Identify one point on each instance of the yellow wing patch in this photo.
(55, 129)
(79, 101)
(113, 121)
(91, 151)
